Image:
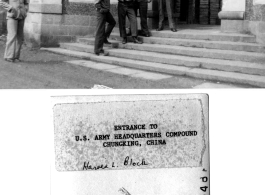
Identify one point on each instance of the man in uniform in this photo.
(169, 14)
(103, 16)
(142, 6)
(127, 8)
(16, 14)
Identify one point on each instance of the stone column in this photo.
(42, 21)
(232, 15)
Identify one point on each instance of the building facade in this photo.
(50, 22)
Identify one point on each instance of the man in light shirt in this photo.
(16, 14)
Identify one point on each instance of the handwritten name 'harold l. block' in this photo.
(131, 134)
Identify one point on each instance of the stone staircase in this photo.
(206, 54)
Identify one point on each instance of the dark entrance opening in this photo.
(184, 11)
(188, 13)
(198, 11)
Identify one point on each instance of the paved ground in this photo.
(44, 70)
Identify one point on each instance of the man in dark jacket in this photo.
(142, 5)
(103, 16)
(169, 15)
(127, 8)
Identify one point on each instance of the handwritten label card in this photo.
(131, 132)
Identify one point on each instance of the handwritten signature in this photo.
(127, 162)
(94, 167)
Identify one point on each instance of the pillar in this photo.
(42, 25)
(233, 15)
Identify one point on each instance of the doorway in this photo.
(184, 11)
(199, 11)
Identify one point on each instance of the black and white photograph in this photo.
(53, 143)
(132, 97)
(132, 44)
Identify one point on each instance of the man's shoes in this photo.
(107, 42)
(135, 40)
(102, 54)
(18, 60)
(173, 30)
(124, 40)
(159, 29)
(146, 34)
(9, 60)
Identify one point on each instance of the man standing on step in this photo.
(142, 5)
(127, 8)
(161, 4)
(103, 16)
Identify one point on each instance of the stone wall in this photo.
(51, 29)
(255, 19)
(44, 29)
(255, 12)
(72, 8)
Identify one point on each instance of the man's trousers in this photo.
(101, 32)
(162, 13)
(127, 9)
(143, 6)
(15, 38)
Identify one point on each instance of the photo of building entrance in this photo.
(210, 43)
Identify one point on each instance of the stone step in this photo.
(206, 63)
(246, 56)
(255, 57)
(198, 52)
(215, 75)
(91, 41)
(209, 37)
(222, 45)
(202, 35)
(78, 47)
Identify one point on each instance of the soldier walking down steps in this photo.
(16, 14)
(103, 16)
(127, 8)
